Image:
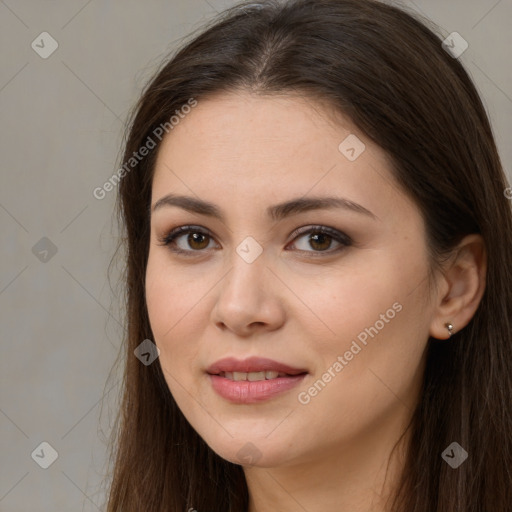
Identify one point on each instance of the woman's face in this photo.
(346, 309)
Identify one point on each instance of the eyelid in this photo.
(342, 238)
(170, 236)
(321, 228)
(344, 241)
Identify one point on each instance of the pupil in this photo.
(321, 239)
(194, 238)
(322, 236)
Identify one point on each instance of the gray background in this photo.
(62, 120)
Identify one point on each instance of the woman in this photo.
(318, 282)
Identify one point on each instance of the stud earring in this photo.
(450, 328)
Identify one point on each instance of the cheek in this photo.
(377, 323)
(174, 307)
(173, 293)
(335, 306)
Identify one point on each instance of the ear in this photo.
(460, 287)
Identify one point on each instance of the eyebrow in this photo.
(276, 212)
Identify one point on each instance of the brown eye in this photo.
(321, 239)
(196, 240)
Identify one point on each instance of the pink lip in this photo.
(247, 392)
(252, 364)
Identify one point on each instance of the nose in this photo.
(249, 299)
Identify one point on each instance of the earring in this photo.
(450, 328)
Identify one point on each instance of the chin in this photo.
(247, 450)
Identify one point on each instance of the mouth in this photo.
(253, 365)
(254, 376)
(252, 380)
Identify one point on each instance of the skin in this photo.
(244, 153)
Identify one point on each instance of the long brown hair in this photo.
(387, 71)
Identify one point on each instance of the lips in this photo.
(231, 365)
(252, 380)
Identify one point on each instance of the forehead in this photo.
(241, 125)
(268, 147)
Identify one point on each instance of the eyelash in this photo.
(340, 237)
